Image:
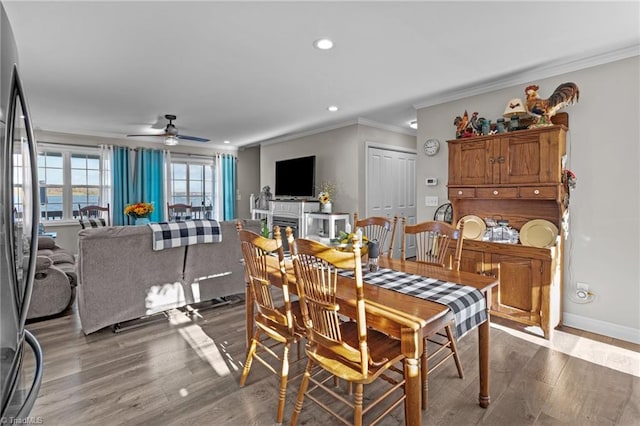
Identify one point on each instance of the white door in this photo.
(391, 189)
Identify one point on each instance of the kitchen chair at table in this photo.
(343, 350)
(178, 212)
(276, 322)
(432, 242)
(94, 212)
(378, 228)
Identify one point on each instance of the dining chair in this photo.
(95, 212)
(338, 349)
(178, 212)
(378, 228)
(275, 321)
(432, 242)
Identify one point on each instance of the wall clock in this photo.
(431, 147)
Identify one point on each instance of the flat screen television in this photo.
(296, 177)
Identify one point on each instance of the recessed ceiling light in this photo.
(413, 124)
(323, 44)
(332, 108)
(227, 142)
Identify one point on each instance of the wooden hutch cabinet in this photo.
(515, 176)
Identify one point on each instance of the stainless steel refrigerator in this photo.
(19, 215)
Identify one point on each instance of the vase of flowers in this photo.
(325, 196)
(140, 212)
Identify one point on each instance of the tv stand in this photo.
(288, 213)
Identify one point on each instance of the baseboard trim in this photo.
(605, 328)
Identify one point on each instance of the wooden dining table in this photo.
(407, 318)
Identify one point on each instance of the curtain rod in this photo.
(67, 144)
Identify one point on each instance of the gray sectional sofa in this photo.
(54, 284)
(121, 278)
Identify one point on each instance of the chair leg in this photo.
(357, 405)
(284, 373)
(454, 349)
(303, 389)
(249, 360)
(424, 374)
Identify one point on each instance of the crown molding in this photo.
(570, 64)
(389, 127)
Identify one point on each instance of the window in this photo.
(69, 177)
(192, 182)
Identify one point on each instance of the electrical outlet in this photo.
(582, 291)
(431, 201)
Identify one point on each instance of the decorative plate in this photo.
(538, 233)
(474, 227)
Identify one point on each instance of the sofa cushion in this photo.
(61, 257)
(46, 243)
(92, 222)
(43, 263)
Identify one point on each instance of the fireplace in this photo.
(283, 222)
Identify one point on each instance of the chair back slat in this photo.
(316, 267)
(255, 251)
(179, 212)
(378, 228)
(432, 242)
(95, 212)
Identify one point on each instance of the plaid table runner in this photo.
(467, 303)
(176, 234)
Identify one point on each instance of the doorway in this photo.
(391, 188)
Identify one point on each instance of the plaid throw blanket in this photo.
(92, 222)
(176, 234)
(467, 303)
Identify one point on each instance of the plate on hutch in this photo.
(538, 233)
(474, 227)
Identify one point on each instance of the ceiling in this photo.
(247, 72)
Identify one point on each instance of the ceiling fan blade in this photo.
(132, 136)
(193, 138)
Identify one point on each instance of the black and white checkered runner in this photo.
(467, 303)
(176, 234)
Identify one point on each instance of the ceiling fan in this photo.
(171, 135)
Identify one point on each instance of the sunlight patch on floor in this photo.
(620, 359)
(204, 345)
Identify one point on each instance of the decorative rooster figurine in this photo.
(544, 109)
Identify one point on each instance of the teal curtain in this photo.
(122, 184)
(149, 181)
(229, 186)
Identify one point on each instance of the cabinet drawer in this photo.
(462, 192)
(549, 192)
(497, 192)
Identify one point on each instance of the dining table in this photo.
(406, 317)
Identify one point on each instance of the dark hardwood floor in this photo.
(185, 370)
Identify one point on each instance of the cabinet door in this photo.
(520, 286)
(472, 261)
(525, 158)
(469, 163)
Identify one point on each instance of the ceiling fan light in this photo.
(171, 140)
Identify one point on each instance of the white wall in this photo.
(603, 249)
(248, 179)
(340, 158)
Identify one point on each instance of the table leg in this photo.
(483, 352)
(412, 412)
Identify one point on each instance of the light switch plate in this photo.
(431, 201)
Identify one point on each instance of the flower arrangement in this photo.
(138, 210)
(327, 190)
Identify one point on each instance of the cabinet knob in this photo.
(537, 191)
(459, 192)
(492, 160)
(495, 192)
(501, 159)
